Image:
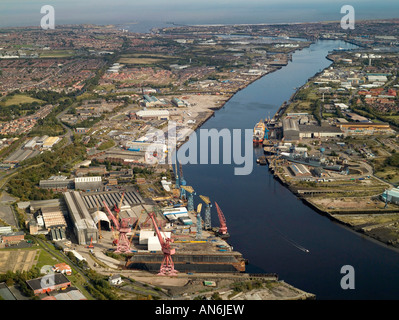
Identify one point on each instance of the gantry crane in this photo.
(199, 222)
(207, 224)
(223, 227)
(123, 244)
(177, 176)
(190, 197)
(182, 183)
(167, 266)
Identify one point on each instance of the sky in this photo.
(27, 12)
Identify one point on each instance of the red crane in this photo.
(123, 244)
(167, 266)
(222, 219)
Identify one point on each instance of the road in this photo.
(69, 133)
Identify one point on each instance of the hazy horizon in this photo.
(14, 13)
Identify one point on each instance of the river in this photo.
(268, 224)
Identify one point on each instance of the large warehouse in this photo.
(361, 128)
(88, 183)
(290, 129)
(84, 227)
(85, 211)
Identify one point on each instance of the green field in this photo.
(57, 54)
(18, 99)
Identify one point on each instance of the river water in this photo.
(268, 224)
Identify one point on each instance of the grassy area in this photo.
(57, 54)
(106, 145)
(46, 258)
(139, 60)
(18, 99)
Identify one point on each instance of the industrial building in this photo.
(83, 224)
(299, 170)
(325, 131)
(88, 183)
(153, 114)
(360, 128)
(57, 183)
(151, 101)
(290, 129)
(84, 209)
(391, 196)
(92, 200)
(178, 103)
(50, 283)
(50, 142)
(5, 292)
(53, 220)
(12, 238)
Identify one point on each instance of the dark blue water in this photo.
(268, 224)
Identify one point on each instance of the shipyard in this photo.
(331, 156)
(96, 191)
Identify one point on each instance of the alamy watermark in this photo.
(205, 146)
(48, 20)
(348, 280)
(348, 20)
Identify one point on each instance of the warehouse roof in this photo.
(53, 218)
(315, 128)
(50, 141)
(88, 179)
(290, 124)
(152, 113)
(5, 292)
(47, 281)
(365, 124)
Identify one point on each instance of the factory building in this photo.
(88, 183)
(290, 129)
(151, 101)
(31, 144)
(84, 227)
(178, 103)
(359, 128)
(50, 142)
(391, 196)
(313, 131)
(92, 200)
(41, 140)
(299, 170)
(153, 114)
(53, 220)
(12, 238)
(57, 183)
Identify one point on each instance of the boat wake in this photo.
(290, 241)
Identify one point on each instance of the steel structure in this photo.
(117, 209)
(207, 222)
(167, 265)
(199, 222)
(182, 183)
(177, 176)
(123, 244)
(190, 197)
(222, 219)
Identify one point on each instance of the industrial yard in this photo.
(337, 159)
